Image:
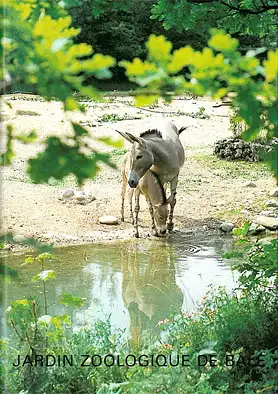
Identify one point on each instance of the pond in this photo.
(136, 282)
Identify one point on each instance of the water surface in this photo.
(136, 282)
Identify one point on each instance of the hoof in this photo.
(170, 227)
(136, 235)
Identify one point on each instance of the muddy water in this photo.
(136, 283)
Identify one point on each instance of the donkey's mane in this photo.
(158, 182)
(151, 133)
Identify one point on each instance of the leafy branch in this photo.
(257, 10)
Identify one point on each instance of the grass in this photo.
(117, 154)
(234, 169)
(234, 212)
(117, 118)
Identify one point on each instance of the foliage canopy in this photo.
(41, 53)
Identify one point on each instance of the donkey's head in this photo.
(160, 217)
(141, 158)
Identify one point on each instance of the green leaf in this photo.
(109, 141)
(44, 276)
(28, 260)
(70, 300)
(58, 321)
(79, 130)
(27, 138)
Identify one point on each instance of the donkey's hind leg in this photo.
(137, 209)
(173, 186)
(154, 229)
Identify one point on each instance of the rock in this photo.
(269, 213)
(80, 197)
(256, 228)
(245, 212)
(108, 219)
(274, 192)
(19, 238)
(272, 203)
(268, 222)
(250, 184)
(68, 193)
(227, 227)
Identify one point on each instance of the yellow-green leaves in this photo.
(222, 42)
(138, 68)
(99, 65)
(50, 28)
(142, 100)
(159, 49)
(271, 65)
(181, 57)
(207, 60)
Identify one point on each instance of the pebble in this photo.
(268, 222)
(256, 228)
(250, 184)
(68, 193)
(227, 227)
(108, 219)
(19, 238)
(272, 203)
(274, 192)
(80, 196)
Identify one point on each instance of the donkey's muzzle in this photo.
(132, 183)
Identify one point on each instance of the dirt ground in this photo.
(209, 191)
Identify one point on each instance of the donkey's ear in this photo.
(125, 136)
(136, 139)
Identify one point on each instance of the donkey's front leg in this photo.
(173, 186)
(124, 183)
(154, 229)
(137, 209)
(130, 196)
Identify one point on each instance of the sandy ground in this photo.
(206, 195)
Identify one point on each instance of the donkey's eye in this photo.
(139, 157)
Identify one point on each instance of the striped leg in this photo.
(130, 196)
(137, 209)
(124, 182)
(154, 229)
(173, 186)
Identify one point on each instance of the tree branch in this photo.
(257, 11)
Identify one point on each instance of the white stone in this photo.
(227, 227)
(108, 219)
(68, 193)
(270, 212)
(256, 228)
(272, 203)
(268, 222)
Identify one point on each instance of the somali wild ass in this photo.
(154, 192)
(161, 151)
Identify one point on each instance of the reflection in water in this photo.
(149, 290)
(137, 282)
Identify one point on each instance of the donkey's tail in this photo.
(184, 128)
